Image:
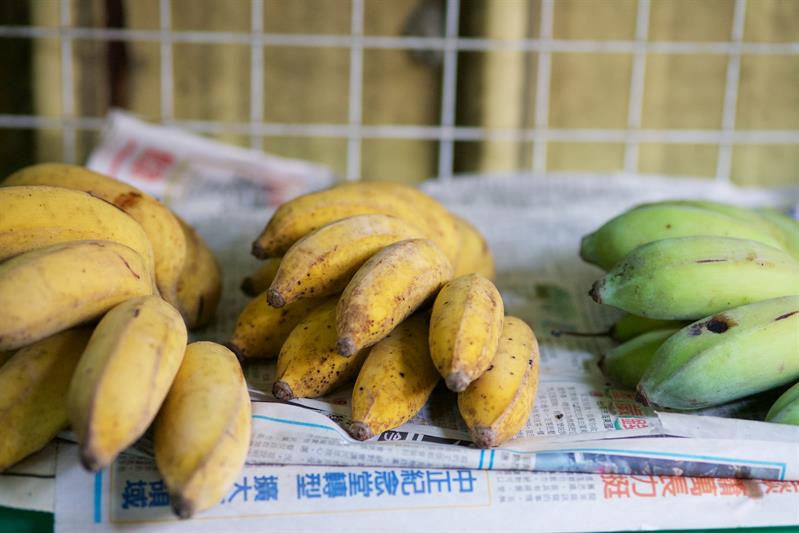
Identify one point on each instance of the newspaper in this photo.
(587, 443)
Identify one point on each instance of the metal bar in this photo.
(167, 83)
(637, 81)
(449, 91)
(542, 88)
(355, 92)
(724, 162)
(67, 84)
(256, 71)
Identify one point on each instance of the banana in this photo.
(464, 329)
(202, 432)
(474, 255)
(630, 326)
(308, 365)
(789, 227)
(259, 281)
(395, 381)
(5, 356)
(322, 262)
(33, 384)
(200, 285)
(54, 288)
(36, 216)
(391, 285)
(726, 356)
(692, 277)
(157, 221)
(306, 213)
(123, 377)
(625, 364)
(496, 405)
(652, 222)
(786, 409)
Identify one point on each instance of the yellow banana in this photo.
(33, 384)
(497, 405)
(262, 329)
(202, 433)
(464, 329)
(123, 377)
(395, 381)
(157, 221)
(5, 356)
(474, 255)
(391, 285)
(200, 285)
(322, 262)
(36, 216)
(261, 279)
(308, 365)
(306, 213)
(57, 287)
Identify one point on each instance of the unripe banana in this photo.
(386, 289)
(36, 216)
(157, 221)
(200, 284)
(626, 363)
(202, 432)
(742, 213)
(652, 222)
(692, 277)
(497, 405)
(261, 279)
(474, 255)
(630, 326)
(33, 384)
(54, 288)
(309, 212)
(395, 381)
(308, 365)
(726, 356)
(123, 377)
(786, 409)
(789, 227)
(464, 329)
(322, 262)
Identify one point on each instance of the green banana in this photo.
(786, 409)
(630, 326)
(787, 225)
(652, 222)
(692, 277)
(625, 364)
(726, 356)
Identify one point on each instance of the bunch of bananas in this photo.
(99, 283)
(344, 293)
(712, 296)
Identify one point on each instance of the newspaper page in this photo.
(582, 427)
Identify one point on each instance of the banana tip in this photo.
(274, 298)
(258, 250)
(595, 291)
(282, 391)
(457, 381)
(247, 287)
(484, 437)
(90, 461)
(345, 346)
(360, 431)
(182, 507)
(641, 397)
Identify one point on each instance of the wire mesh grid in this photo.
(446, 132)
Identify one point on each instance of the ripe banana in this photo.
(474, 255)
(202, 432)
(200, 285)
(33, 384)
(123, 377)
(308, 365)
(306, 213)
(157, 221)
(625, 364)
(395, 381)
(464, 329)
(261, 329)
(497, 405)
(322, 262)
(789, 227)
(630, 326)
(652, 222)
(36, 216)
(261, 279)
(726, 356)
(785, 410)
(391, 285)
(692, 277)
(51, 289)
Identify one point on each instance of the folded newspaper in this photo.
(590, 458)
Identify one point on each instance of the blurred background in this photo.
(412, 89)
